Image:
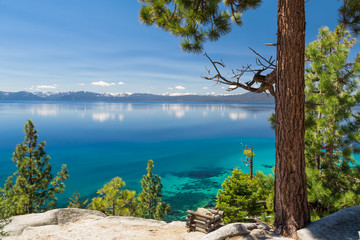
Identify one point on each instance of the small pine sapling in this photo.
(150, 202)
(76, 201)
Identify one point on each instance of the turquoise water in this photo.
(194, 146)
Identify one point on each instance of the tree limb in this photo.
(266, 81)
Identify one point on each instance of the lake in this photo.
(194, 145)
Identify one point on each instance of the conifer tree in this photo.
(349, 15)
(114, 200)
(196, 21)
(332, 89)
(332, 131)
(150, 203)
(76, 201)
(238, 197)
(32, 187)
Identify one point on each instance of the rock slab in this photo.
(244, 231)
(52, 217)
(81, 224)
(342, 225)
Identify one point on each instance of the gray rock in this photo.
(177, 224)
(247, 237)
(70, 215)
(249, 226)
(81, 224)
(52, 217)
(230, 230)
(19, 223)
(254, 235)
(258, 233)
(134, 221)
(344, 225)
(263, 226)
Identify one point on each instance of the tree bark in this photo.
(291, 204)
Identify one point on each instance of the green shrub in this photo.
(76, 201)
(238, 197)
(113, 200)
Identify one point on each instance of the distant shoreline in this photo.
(135, 97)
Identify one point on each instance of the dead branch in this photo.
(259, 83)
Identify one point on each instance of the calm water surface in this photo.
(194, 146)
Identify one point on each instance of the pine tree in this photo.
(76, 201)
(199, 20)
(238, 197)
(332, 135)
(150, 204)
(349, 15)
(32, 187)
(115, 201)
(332, 132)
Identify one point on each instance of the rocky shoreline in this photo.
(82, 224)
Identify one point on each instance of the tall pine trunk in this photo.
(291, 204)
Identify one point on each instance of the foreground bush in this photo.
(238, 197)
(113, 200)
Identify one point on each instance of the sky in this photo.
(100, 46)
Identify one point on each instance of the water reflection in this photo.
(106, 111)
(102, 117)
(178, 110)
(238, 116)
(45, 110)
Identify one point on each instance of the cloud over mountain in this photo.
(103, 84)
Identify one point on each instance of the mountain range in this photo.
(133, 97)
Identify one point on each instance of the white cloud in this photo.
(102, 84)
(81, 84)
(205, 88)
(46, 86)
(121, 83)
(180, 87)
(170, 88)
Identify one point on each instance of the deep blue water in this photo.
(194, 146)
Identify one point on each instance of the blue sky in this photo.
(100, 46)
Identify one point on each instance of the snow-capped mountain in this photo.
(133, 97)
